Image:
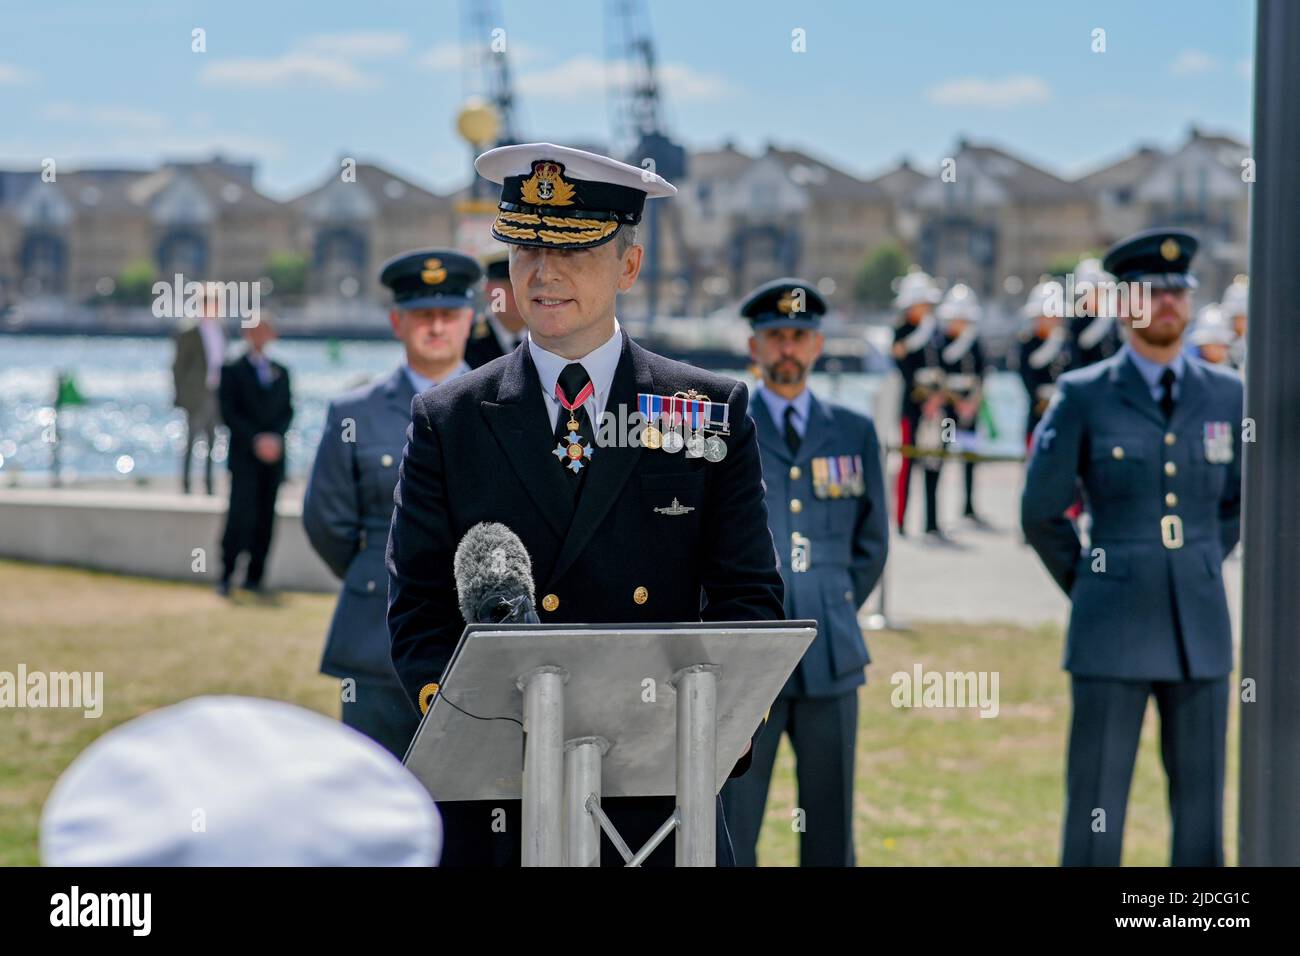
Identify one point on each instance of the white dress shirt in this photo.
(600, 364)
(214, 348)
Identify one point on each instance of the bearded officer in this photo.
(1154, 439)
(826, 502)
(349, 500)
(616, 533)
(500, 327)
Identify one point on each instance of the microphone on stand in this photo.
(494, 576)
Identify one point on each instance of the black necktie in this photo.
(1167, 379)
(792, 438)
(574, 390)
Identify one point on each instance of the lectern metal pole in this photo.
(582, 756)
(697, 758)
(543, 780)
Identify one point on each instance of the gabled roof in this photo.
(821, 179)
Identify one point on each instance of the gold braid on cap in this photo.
(427, 693)
(585, 235)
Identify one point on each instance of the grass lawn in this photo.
(934, 787)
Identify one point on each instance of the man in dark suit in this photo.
(349, 501)
(196, 375)
(514, 442)
(1155, 440)
(501, 327)
(826, 498)
(257, 407)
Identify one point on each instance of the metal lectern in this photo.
(607, 711)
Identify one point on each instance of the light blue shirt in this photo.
(421, 384)
(1151, 372)
(600, 363)
(777, 405)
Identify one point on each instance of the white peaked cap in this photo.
(238, 781)
(1046, 298)
(1090, 270)
(914, 288)
(961, 302)
(1235, 296)
(496, 164)
(1212, 326)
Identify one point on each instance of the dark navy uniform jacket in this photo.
(480, 449)
(482, 346)
(849, 540)
(1165, 501)
(912, 364)
(346, 513)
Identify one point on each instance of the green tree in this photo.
(873, 286)
(288, 272)
(134, 284)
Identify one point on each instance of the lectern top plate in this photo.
(618, 686)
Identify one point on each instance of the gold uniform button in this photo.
(795, 472)
(796, 505)
(370, 585)
(1171, 499)
(550, 602)
(386, 461)
(1171, 469)
(1170, 438)
(640, 595)
(1117, 453)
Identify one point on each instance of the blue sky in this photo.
(293, 85)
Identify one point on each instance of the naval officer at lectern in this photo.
(664, 531)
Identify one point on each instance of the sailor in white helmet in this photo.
(916, 353)
(1093, 330)
(1045, 352)
(1233, 305)
(962, 360)
(1212, 336)
(238, 781)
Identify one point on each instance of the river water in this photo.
(128, 430)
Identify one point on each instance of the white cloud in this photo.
(358, 44)
(13, 75)
(998, 93)
(287, 70)
(1191, 62)
(449, 56)
(581, 75)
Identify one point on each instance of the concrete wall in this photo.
(151, 534)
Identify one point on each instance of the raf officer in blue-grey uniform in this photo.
(826, 505)
(349, 502)
(1155, 441)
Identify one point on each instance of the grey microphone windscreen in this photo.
(491, 564)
